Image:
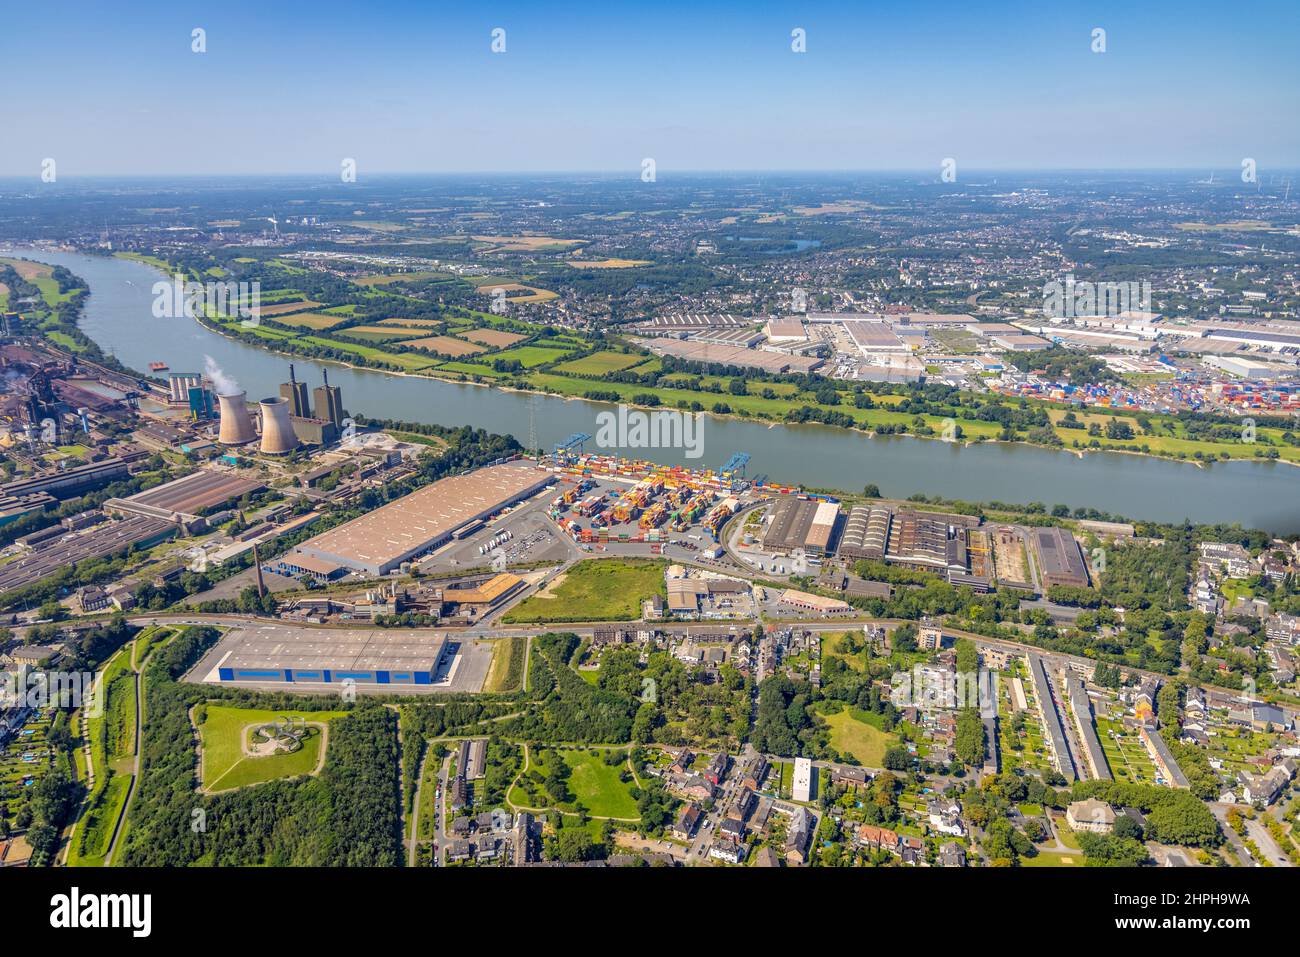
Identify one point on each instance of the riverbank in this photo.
(1214, 452)
(118, 316)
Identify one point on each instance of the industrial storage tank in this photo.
(236, 423)
(278, 437)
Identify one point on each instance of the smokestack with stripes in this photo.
(236, 423)
(277, 427)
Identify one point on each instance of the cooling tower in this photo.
(236, 423)
(277, 427)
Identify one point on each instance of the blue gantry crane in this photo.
(576, 441)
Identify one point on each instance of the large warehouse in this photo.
(1059, 560)
(866, 533)
(186, 497)
(279, 654)
(425, 520)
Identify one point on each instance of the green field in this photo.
(851, 736)
(224, 732)
(591, 783)
(530, 356)
(471, 368)
(507, 669)
(594, 590)
(95, 829)
(402, 360)
(833, 647)
(600, 363)
(380, 334)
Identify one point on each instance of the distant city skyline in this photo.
(400, 87)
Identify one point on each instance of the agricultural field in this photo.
(226, 736)
(601, 363)
(412, 323)
(594, 590)
(385, 278)
(445, 345)
(608, 263)
(530, 356)
(524, 244)
(494, 338)
(404, 361)
(318, 321)
(471, 368)
(283, 308)
(380, 333)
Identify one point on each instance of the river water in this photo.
(118, 315)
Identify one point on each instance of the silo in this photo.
(236, 423)
(277, 427)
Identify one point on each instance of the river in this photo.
(118, 315)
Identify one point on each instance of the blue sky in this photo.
(413, 87)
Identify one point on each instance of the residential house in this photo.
(766, 857)
(945, 817)
(717, 769)
(691, 786)
(1267, 788)
(727, 852)
(682, 764)
(732, 830)
(1090, 815)
(952, 855)
(853, 778)
(688, 822)
(798, 833)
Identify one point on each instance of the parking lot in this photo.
(533, 538)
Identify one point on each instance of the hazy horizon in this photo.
(405, 89)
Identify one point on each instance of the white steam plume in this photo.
(223, 383)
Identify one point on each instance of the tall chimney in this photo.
(236, 423)
(257, 563)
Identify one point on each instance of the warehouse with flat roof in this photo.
(187, 497)
(426, 519)
(282, 654)
(1059, 560)
(791, 521)
(821, 531)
